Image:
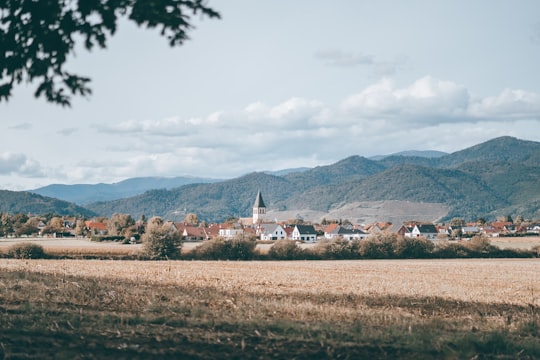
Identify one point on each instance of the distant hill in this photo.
(287, 171)
(86, 193)
(498, 177)
(412, 153)
(502, 149)
(14, 202)
(467, 195)
(352, 168)
(216, 201)
(471, 183)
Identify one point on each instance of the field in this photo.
(263, 309)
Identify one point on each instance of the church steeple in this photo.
(259, 209)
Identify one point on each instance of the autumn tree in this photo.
(80, 228)
(37, 37)
(457, 222)
(191, 219)
(30, 227)
(120, 224)
(55, 225)
(6, 226)
(161, 240)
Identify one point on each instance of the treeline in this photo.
(162, 244)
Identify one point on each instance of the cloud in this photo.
(509, 104)
(23, 126)
(67, 131)
(381, 118)
(343, 59)
(19, 164)
(334, 57)
(172, 126)
(432, 101)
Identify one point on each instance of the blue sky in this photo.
(280, 84)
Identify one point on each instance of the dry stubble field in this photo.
(266, 309)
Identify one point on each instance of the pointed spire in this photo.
(259, 203)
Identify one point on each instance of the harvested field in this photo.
(525, 243)
(492, 281)
(299, 309)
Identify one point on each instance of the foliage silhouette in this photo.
(37, 37)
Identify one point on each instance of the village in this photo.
(122, 227)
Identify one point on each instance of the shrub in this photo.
(99, 238)
(480, 243)
(338, 249)
(378, 246)
(26, 250)
(413, 247)
(536, 250)
(221, 249)
(285, 250)
(449, 250)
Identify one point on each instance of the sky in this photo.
(284, 84)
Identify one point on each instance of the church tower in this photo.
(259, 209)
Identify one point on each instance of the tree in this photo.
(80, 228)
(28, 228)
(481, 221)
(161, 240)
(457, 222)
(191, 219)
(120, 224)
(56, 225)
(37, 37)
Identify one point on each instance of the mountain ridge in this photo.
(470, 191)
(485, 180)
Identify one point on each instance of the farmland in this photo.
(83, 246)
(265, 309)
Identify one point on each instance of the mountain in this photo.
(286, 171)
(86, 193)
(498, 177)
(466, 194)
(502, 149)
(14, 202)
(215, 201)
(471, 183)
(413, 153)
(352, 168)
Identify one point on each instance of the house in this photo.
(229, 231)
(96, 227)
(533, 229)
(190, 232)
(212, 230)
(429, 231)
(403, 230)
(304, 233)
(288, 231)
(377, 227)
(271, 232)
(330, 229)
(470, 230)
(345, 233)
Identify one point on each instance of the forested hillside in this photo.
(498, 177)
(15, 202)
(87, 193)
(486, 180)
